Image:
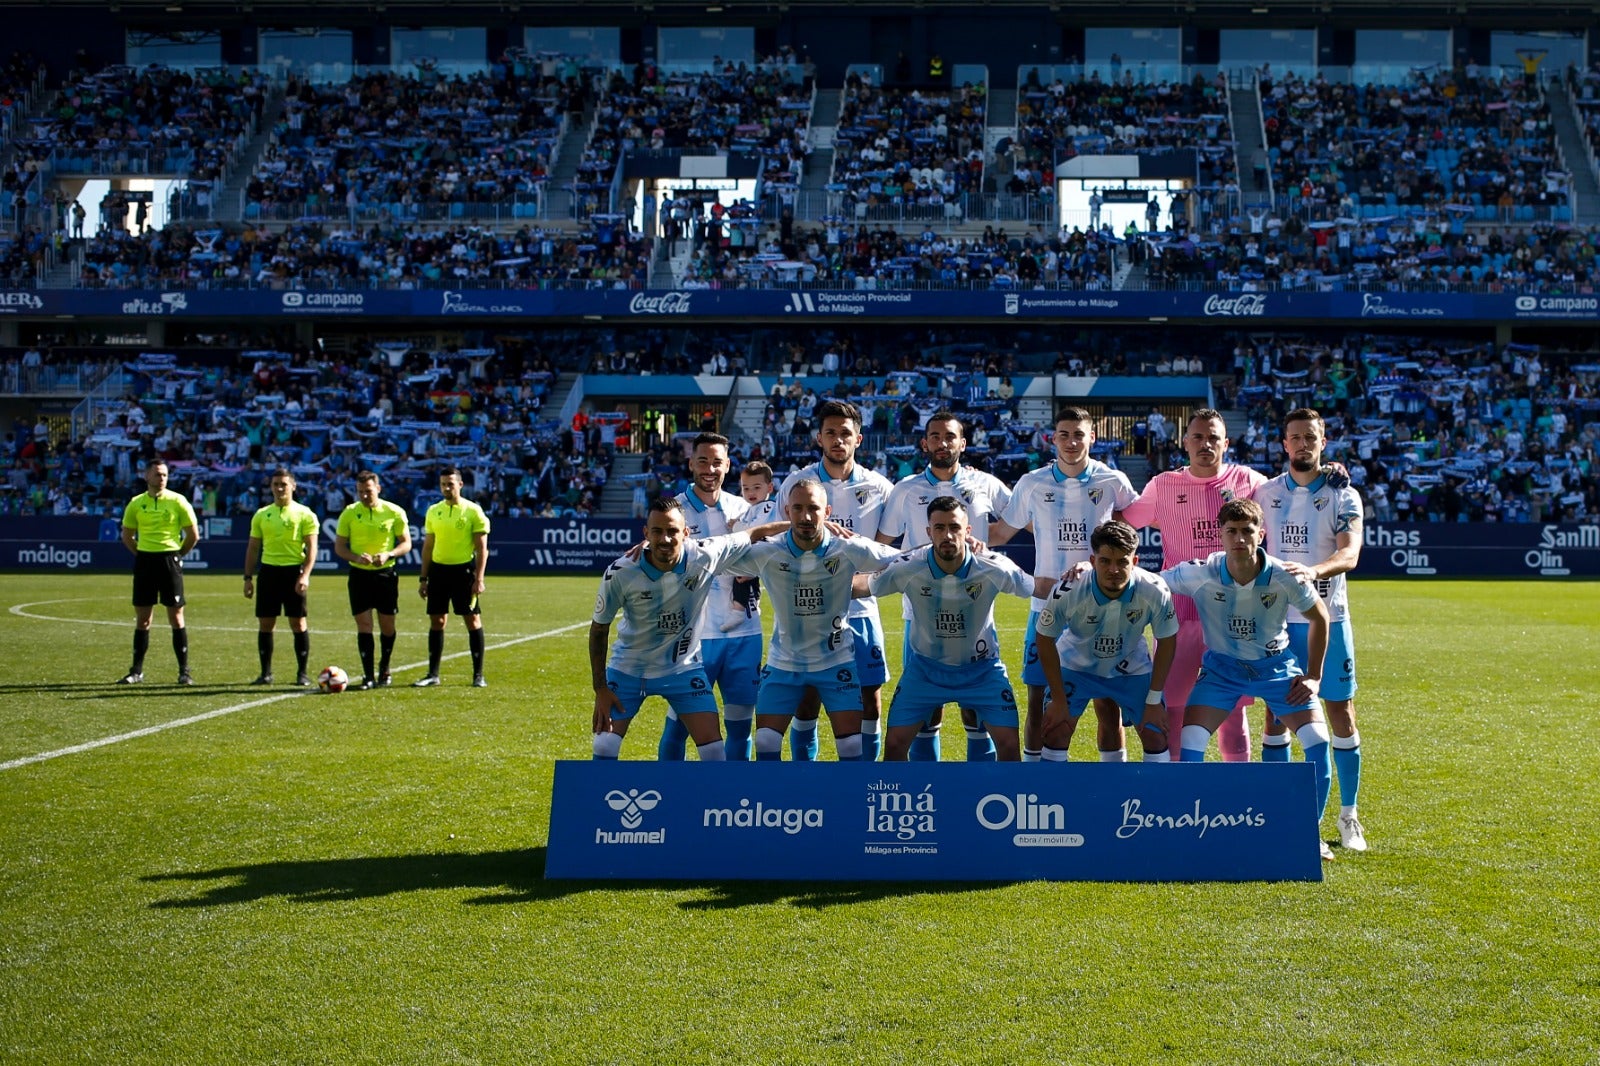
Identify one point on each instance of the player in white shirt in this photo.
(813, 652)
(1243, 597)
(731, 641)
(905, 517)
(952, 648)
(856, 497)
(661, 596)
(1094, 647)
(1063, 503)
(1316, 530)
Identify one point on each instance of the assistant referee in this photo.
(159, 528)
(283, 549)
(373, 534)
(455, 551)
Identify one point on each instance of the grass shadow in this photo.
(366, 877)
(515, 876)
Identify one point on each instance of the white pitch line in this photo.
(90, 745)
(21, 610)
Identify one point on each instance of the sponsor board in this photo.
(805, 303)
(535, 545)
(933, 822)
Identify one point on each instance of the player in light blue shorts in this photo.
(1338, 666)
(870, 668)
(687, 692)
(782, 690)
(1224, 681)
(926, 686)
(734, 666)
(1243, 597)
(1127, 692)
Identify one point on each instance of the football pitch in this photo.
(266, 876)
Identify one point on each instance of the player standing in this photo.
(905, 517)
(952, 649)
(661, 596)
(1316, 530)
(855, 499)
(1243, 596)
(1063, 503)
(455, 551)
(158, 526)
(1104, 619)
(283, 547)
(372, 535)
(814, 651)
(1183, 505)
(731, 643)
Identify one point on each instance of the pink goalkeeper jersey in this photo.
(1184, 508)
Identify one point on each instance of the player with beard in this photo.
(1315, 529)
(812, 657)
(905, 517)
(1063, 503)
(855, 500)
(731, 644)
(952, 649)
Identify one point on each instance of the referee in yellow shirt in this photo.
(372, 535)
(158, 526)
(455, 550)
(283, 549)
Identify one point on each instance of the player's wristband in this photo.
(249, 577)
(423, 580)
(1153, 696)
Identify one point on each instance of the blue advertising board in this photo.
(573, 546)
(1228, 308)
(933, 822)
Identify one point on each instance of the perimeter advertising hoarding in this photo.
(692, 821)
(666, 306)
(569, 546)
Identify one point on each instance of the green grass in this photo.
(359, 879)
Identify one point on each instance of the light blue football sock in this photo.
(1314, 742)
(1347, 762)
(925, 746)
(980, 746)
(871, 740)
(738, 722)
(674, 740)
(803, 741)
(1275, 748)
(1196, 739)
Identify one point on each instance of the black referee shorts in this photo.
(375, 590)
(275, 592)
(157, 578)
(450, 589)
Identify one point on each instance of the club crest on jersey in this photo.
(1268, 599)
(690, 582)
(862, 494)
(1096, 495)
(1134, 614)
(966, 494)
(831, 565)
(1320, 502)
(973, 589)
(1227, 495)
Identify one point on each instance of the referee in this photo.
(372, 535)
(455, 550)
(159, 528)
(283, 548)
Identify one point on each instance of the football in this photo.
(332, 679)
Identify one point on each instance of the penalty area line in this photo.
(90, 745)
